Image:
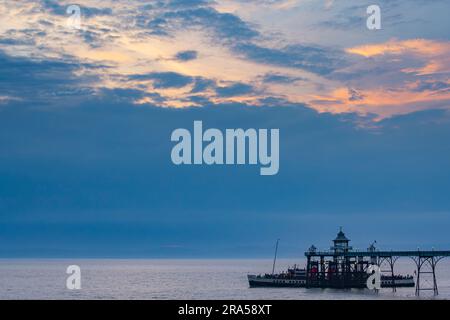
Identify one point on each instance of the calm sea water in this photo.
(176, 279)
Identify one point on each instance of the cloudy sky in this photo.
(86, 116)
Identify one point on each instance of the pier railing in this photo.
(377, 253)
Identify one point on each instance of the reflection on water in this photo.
(177, 279)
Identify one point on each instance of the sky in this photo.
(86, 116)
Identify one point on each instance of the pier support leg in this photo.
(435, 287)
(418, 278)
(420, 263)
(391, 264)
(308, 271)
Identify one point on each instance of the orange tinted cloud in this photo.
(383, 102)
(417, 46)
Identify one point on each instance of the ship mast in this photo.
(275, 258)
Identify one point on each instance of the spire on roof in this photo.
(341, 236)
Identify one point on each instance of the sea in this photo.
(165, 279)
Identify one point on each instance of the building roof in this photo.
(341, 236)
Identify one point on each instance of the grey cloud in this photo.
(226, 26)
(310, 58)
(234, 90)
(58, 9)
(280, 78)
(186, 55)
(432, 86)
(202, 84)
(354, 95)
(162, 80)
(34, 79)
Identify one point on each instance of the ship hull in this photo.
(258, 282)
(261, 282)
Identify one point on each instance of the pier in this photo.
(341, 265)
